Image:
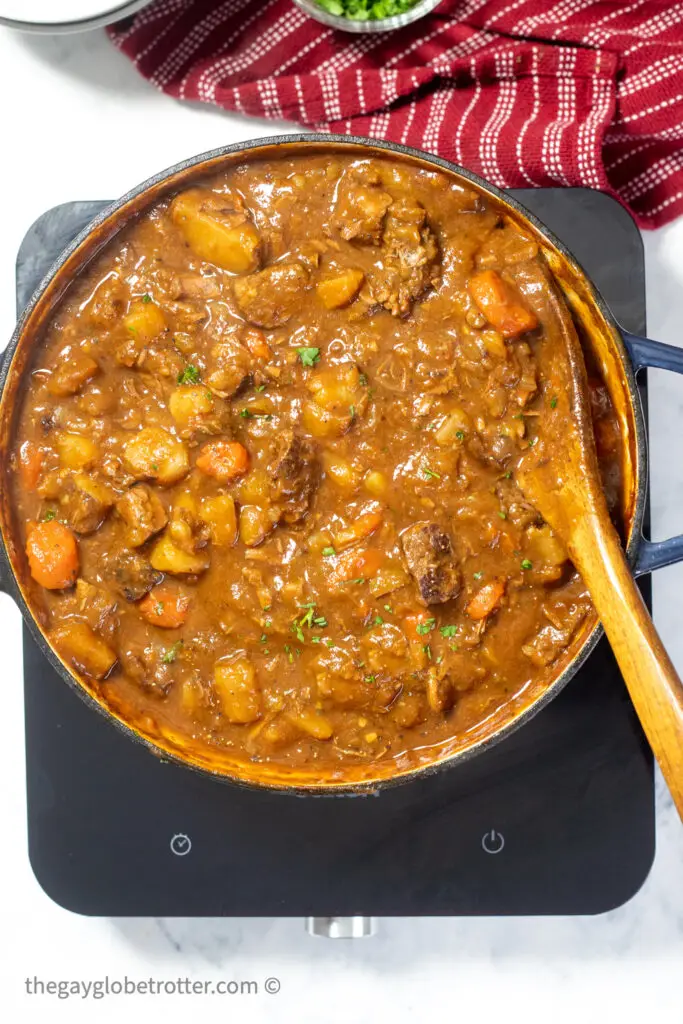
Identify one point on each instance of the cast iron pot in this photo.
(618, 355)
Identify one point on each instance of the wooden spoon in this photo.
(559, 475)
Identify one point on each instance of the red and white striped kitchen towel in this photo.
(525, 92)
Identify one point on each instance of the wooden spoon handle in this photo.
(652, 680)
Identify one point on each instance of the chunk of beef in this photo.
(86, 502)
(143, 514)
(230, 364)
(516, 507)
(142, 659)
(96, 605)
(431, 561)
(271, 297)
(409, 262)
(504, 246)
(160, 358)
(553, 638)
(295, 475)
(361, 206)
(132, 575)
(188, 532)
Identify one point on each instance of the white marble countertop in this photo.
(119, 131)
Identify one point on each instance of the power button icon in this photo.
(492, 842)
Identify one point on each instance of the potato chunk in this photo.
(256, 523)
(237, 690)
(157, 455)
(338, 291)
(84, 649)
(76, 451)
(73, 371)
(217, 228)
(219, 513)
(144, 320)
(342, 473)
(189, 404)
(167, 556)
(311, 722)
(338, 389)
(320, 423)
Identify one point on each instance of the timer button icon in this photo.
(492, 842)
(180, 844)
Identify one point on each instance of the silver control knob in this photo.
(341, 927)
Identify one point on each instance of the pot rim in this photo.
(9, 580)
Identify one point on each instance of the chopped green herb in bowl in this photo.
(367, 15)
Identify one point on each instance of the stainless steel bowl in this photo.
(421, 8)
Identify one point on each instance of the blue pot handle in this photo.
(643, 352)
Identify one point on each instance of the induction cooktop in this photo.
(558, 819)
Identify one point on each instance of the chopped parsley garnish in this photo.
(328, 552)
(378, 621)
(172, 653)
(428, 651)
(288, 652)
(388, 608)
(261, 387)
(369, 679)
(359, 579)
(247, 414)
(502, 515)
(553, 402)
(423, 628)
(447, 631)
(309, 356)
(366, 10)
(526, 564)
(460, 434)
(477, 575)
(508, 475)
(363, 380)
(49, 515)
(328, 642)
(263, 639)
(159, 608)
(190, 375)
(146, 297)
(309, 620)
(430, 473)
(352, 410)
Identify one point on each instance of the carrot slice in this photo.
(259, 348)
(360, 564)
(52, 555)
(486, 600)
(359, 530)
(412, 622)
(165, 606)
(497, 301)
(30, 465)
(223, 460)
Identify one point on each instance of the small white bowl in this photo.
(421, 8)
